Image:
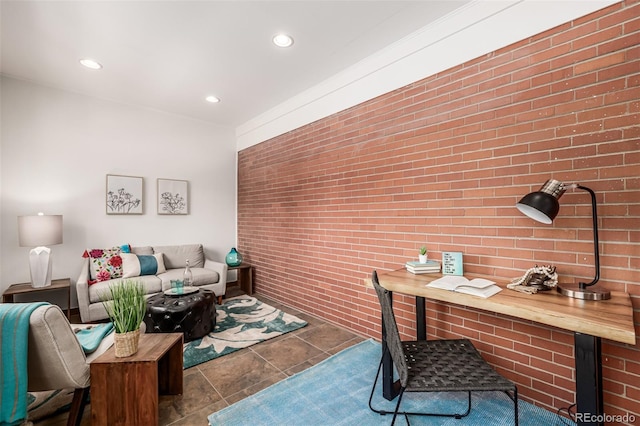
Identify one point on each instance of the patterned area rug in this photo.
(240, 322)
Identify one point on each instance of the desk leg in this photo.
(421, 319)
(588, 377)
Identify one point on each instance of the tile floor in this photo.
(213, 385)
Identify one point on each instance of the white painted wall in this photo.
(56, 149)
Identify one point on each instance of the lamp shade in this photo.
(39, 230)
(543, 205)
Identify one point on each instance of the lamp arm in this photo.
(596, 249)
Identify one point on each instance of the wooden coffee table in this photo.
(125, 390)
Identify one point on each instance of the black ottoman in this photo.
(192, 314)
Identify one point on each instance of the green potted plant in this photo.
(126, 309)
(422, 257)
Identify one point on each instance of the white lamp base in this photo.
(40, 266)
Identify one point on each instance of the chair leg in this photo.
(373, 389)
(459, 416)
(395, 413)
(77, 406)
(514, 397)
(515, 408)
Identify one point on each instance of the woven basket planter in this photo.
(126, 344)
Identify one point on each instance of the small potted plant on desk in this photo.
(422, 257)
(126, 310)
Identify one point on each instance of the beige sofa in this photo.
(207, 274)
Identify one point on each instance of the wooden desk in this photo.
(125, 390)
(589, 321)
(26, 288)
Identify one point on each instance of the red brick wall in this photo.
(441, 163)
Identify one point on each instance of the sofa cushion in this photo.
(134, 265)
(144, 250)
(100, 290)
(201, 276)
(104, 264)
(175, 256)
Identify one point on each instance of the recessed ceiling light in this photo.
(212, 99)
(282, 40)
(90, 63)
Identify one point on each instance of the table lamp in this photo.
(40, 231)
(543, 206)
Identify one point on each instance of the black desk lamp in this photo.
(543, 206)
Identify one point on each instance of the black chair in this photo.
(451, 365)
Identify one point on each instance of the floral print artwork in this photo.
(173, 196)
(121, 201)
(124, 194)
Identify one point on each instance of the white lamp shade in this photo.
(40, 230)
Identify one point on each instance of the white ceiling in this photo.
(169, 55)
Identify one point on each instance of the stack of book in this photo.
(432, 266)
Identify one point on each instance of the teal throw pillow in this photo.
(134, 265)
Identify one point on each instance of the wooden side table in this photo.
(245, 277)
(26, 288)
(124, 391)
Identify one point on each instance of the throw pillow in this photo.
(105, 264)
(135, 265)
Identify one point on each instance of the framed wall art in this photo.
(173, 196)
(124, 194)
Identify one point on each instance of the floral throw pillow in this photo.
(105, 264)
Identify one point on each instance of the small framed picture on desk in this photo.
(452, 263)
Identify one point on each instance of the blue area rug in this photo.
(240, 322)
(336, 392)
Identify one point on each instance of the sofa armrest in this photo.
(82, 291)
(220, 268)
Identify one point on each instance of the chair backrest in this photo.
(390, 331)
(55, 358)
